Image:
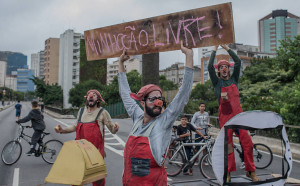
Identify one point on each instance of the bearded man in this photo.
(90, 124)
(148, 141)
(226, 89)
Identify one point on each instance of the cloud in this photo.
(25, 25)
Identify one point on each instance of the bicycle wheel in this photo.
(262, 155)
(11, 152)
(173, 163)
(206, 166)
(50, 150)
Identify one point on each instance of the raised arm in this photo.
(211, 69)
(237, 63)
(188, 56)
(133, 109)
(182, 97)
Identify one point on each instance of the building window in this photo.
(287, 23)
(272, 32)
(287, 27)
(272, 28)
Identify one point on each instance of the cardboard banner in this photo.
(200, 27)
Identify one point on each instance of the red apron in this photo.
(91, 132)
(227, 110)
(140, 167)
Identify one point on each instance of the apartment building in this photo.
(69, 66)
(134, 63)
(51, 61)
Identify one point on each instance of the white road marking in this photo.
(61, 122)
(113, 144)
(120, 152)
(16, 177)
(109, 138)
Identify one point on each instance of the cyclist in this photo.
(37, 120)
(18, 108)
(90, 124)
(184, 131)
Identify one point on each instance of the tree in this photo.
(95, 70)
(165, 84)
(203, 93)
(110, 93)
(274, 84)
(51, 94)
(79, 91)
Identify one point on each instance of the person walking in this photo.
(18, 108)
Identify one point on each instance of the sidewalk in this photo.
(58, 116)
(6, 106)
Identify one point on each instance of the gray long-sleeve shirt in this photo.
(161, 133)
(201, 120)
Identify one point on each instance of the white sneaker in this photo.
(242, 165)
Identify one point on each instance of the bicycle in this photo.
(176, 161)
(262, 154)
(12, 151)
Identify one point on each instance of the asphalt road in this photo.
(29, 171)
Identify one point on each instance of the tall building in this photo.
(277, 26)
(3, 67)
(24, 84)
(69, 48)
(51, 61)
(14, 60)
(35, 64)
(42, 63)
(134, 63)
(11, 82)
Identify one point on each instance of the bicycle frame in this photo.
(204, 145)
(27, 137)
(22, 135)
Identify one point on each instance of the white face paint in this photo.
(224, 70)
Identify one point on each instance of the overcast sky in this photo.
(25, 25)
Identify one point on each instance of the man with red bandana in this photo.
(149, 139)
(90, 124)
(226, 89)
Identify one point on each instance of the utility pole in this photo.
(150, 69)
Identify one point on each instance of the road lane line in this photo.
(114, 144)
(114, 150)
(112, 138)
(16, 177)
(61, 122)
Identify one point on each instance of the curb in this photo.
(58, 116)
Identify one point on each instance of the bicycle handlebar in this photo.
(23, 125)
